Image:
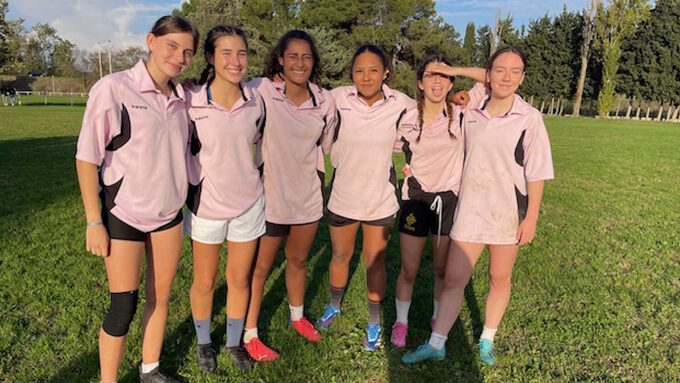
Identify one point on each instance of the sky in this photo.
(125, 22)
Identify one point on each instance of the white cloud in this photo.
(88, 22)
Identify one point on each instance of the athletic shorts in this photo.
(120, 230)
(339, 221)
(419, 216)
(281, 229)
(246, 227)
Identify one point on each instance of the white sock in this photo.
(147, 368)
(488, 333)
(249, 334)
(437, 340)
(435, 308)
(402, 310)
(296, 312)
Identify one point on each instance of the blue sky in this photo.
(125, 22)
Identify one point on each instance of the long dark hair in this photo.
(209, 47)
(273, 68)
(376, 51)
(420, 95)
(174, 24)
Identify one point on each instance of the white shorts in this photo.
(246, 227)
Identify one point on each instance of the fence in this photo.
(623, 108)
(45, 98)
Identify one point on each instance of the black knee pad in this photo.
(121, 311)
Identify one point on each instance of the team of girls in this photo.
(507, 160)
(293, 121)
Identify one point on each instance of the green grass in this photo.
(595, 297)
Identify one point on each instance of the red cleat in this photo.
(306, 329)
(259, 351)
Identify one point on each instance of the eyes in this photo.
(229, 52)
(173, 47)
(295, 56)
(514, 72)
(369, 70)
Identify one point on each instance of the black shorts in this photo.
(120, 230)
(339, 221)
(418, 219)
(280, 230)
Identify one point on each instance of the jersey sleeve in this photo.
(101, 123)
(477, 94)
(537, 154)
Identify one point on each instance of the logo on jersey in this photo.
(199, 118)
(410, 220)
(345, 108)
(277, 99)
(138, 107)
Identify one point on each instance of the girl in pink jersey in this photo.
(225, 198)
(364, 181)
(299, 115)
(432, 141)
(507, 160)
(132, 147)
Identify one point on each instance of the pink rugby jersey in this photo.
(291, 150)
(364, 182)
(436, 160)
(139, 138)
(224, 181)
(502, 154)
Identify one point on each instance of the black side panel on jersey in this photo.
(325, 123)
(337, 128)
(109, 192)
(519, 149)
(263, 117)
(403, 112)
(195, 141)
(125, 130)
(393, 176)
(408, 154)
(194, 196)
(414, 188)
(522, 204)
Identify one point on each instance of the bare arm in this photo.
(477, 74)
(527, 228)
(97, 239)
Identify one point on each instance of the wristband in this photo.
(94, 223)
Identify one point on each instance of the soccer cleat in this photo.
(205, 356)
(399, 333)
(372, 340)
(259, 351)
(326, 320)
(422, 353)
(155, 376)
(306, 329)
(486, 352)
(240, 357)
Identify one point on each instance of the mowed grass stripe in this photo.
(595, 297)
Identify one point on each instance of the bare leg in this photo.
(342, 241)
(374, 251)
(411, 254)
(239, 264)
(206, 261)
(298, 245)
(163, 251)
(501, 262)
(266, 254)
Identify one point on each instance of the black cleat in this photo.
(205, 356)
(155, 376)
(239, 356)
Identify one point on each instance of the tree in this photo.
(614, 24)
(469, 43)
(649, 65)
(587, 35)
(63, 59)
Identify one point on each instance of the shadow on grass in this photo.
(35, 173)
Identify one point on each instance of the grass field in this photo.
(595, 297)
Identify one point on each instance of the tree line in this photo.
(624, 47)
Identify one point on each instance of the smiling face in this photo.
(230, 59)
(297, 62)
(435, 86)
(506, 75)
(368, 73)
(171, 53)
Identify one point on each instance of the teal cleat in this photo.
(373, 341)
(422, 353)
(329, 315)
(486, 352)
